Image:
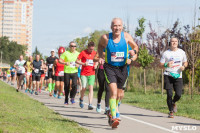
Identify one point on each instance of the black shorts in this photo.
(46, 78)
(116, 74)
(59, 78)
(12, 75)
(19, 74)
(35, 78)
(171, 83)
(50, 75)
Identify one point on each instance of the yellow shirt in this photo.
(28, 63)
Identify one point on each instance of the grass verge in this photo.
(20, 113)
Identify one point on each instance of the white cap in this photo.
(53, 50)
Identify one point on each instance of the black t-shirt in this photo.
(37, 66)
(50, 60)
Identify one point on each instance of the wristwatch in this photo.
(135, 51)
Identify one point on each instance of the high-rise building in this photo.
(16, 21)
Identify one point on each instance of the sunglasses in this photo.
(72, 46)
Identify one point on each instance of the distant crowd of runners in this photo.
(69, 74)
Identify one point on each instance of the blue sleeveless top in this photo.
(116, 54)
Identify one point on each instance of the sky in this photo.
(57, 22)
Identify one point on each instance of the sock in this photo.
(50, 87)
(112, 103)
(53, 86)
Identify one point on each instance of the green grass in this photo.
(20, 113)
(187, 107)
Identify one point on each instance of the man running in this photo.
(58, 72)
(174, 61)
(43, 71)
(50, 60)
(19, 65)
(115, 66)
(36, 73)
(85, 59)
(71, 69)
(29, 74)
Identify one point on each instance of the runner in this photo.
(13, 75)
(79, 84)
(46, 79)
(8, 75)
(36, 73)
(20, 67)
(50, 60)
(43, 71)
(28, 74)
(115, 67)
(85, 59)
(174, 61)
(58, 72)
(102, 86)
(70, 72)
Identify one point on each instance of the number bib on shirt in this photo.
(90, 62)
(51, 65)
(61, 73)
(36, 70)
(72, 64)
(117, 56)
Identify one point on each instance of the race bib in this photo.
(117, 56)
(36, 70)
(28, 73)
(72, 64)
(90, 62)
(61, 73)
(51, 65)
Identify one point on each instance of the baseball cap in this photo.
(53, 50)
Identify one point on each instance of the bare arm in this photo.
(54, 65)
(78, 61)
(102, 44)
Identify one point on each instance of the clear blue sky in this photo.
(57, 22)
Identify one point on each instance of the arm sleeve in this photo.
(162, 59)
(184, 57)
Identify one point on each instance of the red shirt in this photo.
(59, 69)
(83, 56)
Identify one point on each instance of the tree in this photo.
(144, 59)
(36, 52)
(140, 30)
(11, 50)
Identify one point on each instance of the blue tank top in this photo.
(116, 54)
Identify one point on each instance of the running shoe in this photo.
(81, 103)
(50, 94)
(98, 109)
(26, 90)
(119, 103)
(59, 97)
(54, 95)
(171, 115)
(114, 123)
(22, 87)
(36, 93)
(17, 90)
(12, 84)
(29, 90)
(174, 108)
(32, 91)
(72, 101)
(106, 110)
(90, 107)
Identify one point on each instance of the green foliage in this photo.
(144, 58)
(36, 52)
(140, 30)
(95, 36)
(11, 50)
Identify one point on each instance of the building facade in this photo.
(16, 21)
